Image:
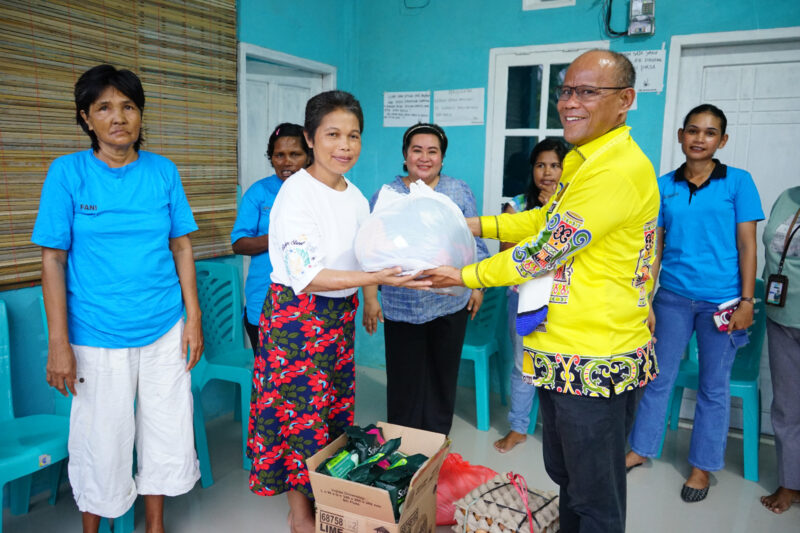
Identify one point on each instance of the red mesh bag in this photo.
(456, 478)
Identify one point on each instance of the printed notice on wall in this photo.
(649, 66)
(458, 107)
(404, 109)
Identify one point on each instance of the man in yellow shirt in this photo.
(597, 236)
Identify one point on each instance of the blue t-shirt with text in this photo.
(115, 223)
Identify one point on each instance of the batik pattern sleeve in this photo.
(586, 211)
(53, 228)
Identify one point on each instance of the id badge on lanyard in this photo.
(778, 284)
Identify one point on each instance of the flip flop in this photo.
(691, 495)
(629, 468)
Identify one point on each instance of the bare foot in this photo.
(633, 459)
(698, 479)
(301, 513)
(300, 524)
(508, 442)
(780, 500)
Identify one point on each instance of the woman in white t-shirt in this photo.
(304, 375)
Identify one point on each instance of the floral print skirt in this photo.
(303, 385)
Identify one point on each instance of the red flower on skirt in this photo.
(320, 402)
(299, 477)
(260, 365)
(269, 457)
(318, 381)
(286, 411)
(344, 359)
(294, 460)
(304, 306)
(312, 327)
(280, 378)
(342, 405)
(315, 346)
(276, 357)
(261, 490)
(299, 368)
(321, 435)
(267, 399)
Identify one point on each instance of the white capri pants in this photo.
(103, 425)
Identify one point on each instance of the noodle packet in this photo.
(362, 443)
(339, 464)
(397, 495)
(397, 478)
(369, 470)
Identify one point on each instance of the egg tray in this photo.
(496, 507)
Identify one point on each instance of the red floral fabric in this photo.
(303, 385)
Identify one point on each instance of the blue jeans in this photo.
(677, 318)
(521, 393)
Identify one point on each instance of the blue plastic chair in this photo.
(225, 356)
(480, 343)
(744, 384)
(29, 443)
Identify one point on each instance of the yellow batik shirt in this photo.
(598, 235)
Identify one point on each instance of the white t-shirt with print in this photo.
(312, 227)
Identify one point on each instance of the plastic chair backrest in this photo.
(6, 398)
(63, 404)
(484, 325)
(220, 295)
(756, 331)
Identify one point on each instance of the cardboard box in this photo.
(344, 506)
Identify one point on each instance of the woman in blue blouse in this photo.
(706, 250)
(288, 152)
(424, 331)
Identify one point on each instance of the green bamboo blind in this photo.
(185, 55)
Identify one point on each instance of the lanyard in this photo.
(789, 235)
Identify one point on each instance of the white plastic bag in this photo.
(416, 231)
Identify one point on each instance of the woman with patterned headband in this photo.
(424, 331)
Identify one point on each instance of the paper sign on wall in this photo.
(649, 66)
(458, 107)
(404, 109)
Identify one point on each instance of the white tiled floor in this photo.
(654, 504)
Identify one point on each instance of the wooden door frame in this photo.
(677, 47)
(252, 51)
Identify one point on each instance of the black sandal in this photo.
(691, 495)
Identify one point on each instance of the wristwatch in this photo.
(747, 299)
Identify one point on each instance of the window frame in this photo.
(500, 60)
(530, 5)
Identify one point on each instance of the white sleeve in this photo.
(297, 236)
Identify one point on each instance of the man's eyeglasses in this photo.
(584, 93)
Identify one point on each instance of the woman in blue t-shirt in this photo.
(706, 252)
(288, 152)
(117, 274)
